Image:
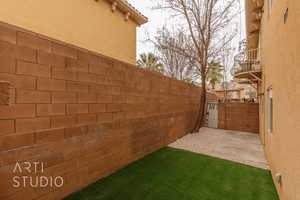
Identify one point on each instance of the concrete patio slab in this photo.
(236, 146)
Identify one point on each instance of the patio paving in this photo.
(241, 147)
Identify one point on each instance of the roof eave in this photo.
(135, 15)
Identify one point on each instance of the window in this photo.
(270, 110)
(270, 4)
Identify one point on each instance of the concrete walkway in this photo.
(236, 146)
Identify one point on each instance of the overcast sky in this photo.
(157, 19)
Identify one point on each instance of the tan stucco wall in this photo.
(85, 23)
(280, 45)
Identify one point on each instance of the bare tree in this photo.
(206, 24)
(227, 58)
(175, 64)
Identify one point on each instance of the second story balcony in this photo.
(247, 66)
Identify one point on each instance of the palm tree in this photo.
(151, 62)
(214, 74)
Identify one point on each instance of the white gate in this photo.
(212, 115)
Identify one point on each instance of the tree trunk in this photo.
(201, 114)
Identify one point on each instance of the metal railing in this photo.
(247, 61)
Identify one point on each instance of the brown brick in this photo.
(26, 68)
(104, 98)
(35, 124)
(115, 90)
(7, 126)
(77, 108)
(121, 83)
(104, 117)
(87, 77)
(236, 119)
(96, 108)
(77, 65)
(32, 96)
(119, 116)
(15, 141)
(76, 131)
(25, 53)
(50, 135)
(63, 121)
(51, 84)
(104, 80)
(105, 62)
(13, 84)
(7, 64)
(8, 34)
(12, 95)
(63, 73)
(51, 109)
(87, 119)
(87, 57)
(51, 59)
(17, 111)
(87, 98)
(113, 107)
(118, 99)
(64, 97)
(7, 49)
(19, 81)
(64, 50)
(98, 69)
(5, 93)
(33, 41)
(117, 75)
(99, 89)
(77, 87)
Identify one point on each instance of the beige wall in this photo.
(85, 23)
(281, 68)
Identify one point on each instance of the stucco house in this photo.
(72, 100)
(104, 26)
(235, 92)
(271, 63)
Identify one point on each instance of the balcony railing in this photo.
(247, 61)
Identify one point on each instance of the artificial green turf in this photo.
(173, 174)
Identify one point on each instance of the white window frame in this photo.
(270, 110)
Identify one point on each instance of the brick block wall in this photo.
(239, 116)
(4, 93)
(211, 97)
(81, 114)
